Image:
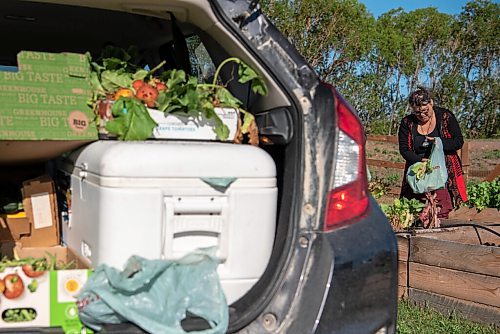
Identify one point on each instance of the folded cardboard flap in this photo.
(14, 226)
(62, 254)
(40, 205)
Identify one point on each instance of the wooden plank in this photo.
(383, 138)
(449, 305)
(402, 292)
(403, 273)
(453, 255)
(403, 246)
(384, 163)
(493, 174)
(452, 283)
(464, 234)
(403, 249)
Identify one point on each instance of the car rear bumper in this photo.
(363, 290)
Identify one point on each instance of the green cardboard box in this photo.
(45, 100)
(52, 303)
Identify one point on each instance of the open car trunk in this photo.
(186, 36)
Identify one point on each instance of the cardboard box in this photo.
(14, 226)
(180, 127)
(46, 99)
(40, 205)
(176, 126)
(50, 302)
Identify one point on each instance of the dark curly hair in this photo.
(420, 97)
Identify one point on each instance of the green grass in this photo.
(416, 320)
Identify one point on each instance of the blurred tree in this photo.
(330, 34)
(479, 36)
(393, 59)
(335, 36)
(376, 63)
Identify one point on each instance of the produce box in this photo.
(176, 126)
(40, 205)
(181, 127)
(38, 224)
(35, 293)
(135, 103)
(46, 99)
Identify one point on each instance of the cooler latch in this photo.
(82, 175)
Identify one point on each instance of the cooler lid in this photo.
(161, 159)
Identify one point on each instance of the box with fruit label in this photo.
(185, 127)
(38, 288)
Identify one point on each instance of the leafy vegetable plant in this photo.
(484, 195)
(421, 168)
(380, 186)
(377, 188)
(403, 212)
(173, 91)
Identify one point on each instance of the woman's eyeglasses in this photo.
(421, 110)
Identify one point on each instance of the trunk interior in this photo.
(193, 42)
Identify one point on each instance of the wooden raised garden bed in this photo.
(452, 270)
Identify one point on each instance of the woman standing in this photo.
(416, 135)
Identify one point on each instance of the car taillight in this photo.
(348, 196)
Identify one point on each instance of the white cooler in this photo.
(163, 199)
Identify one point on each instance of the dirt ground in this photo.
(484, 154)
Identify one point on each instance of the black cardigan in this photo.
(450, 145)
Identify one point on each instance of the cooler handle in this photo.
(182, 216)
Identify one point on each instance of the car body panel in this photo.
(362, 291)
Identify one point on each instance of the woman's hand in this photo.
(430, 138)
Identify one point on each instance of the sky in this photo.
(377, 7)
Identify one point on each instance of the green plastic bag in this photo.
(424, 177)
(156, 294)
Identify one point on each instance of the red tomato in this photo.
(148, 95)
(14, 286)
(30, 272)
(160, 86)
(137, 84)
